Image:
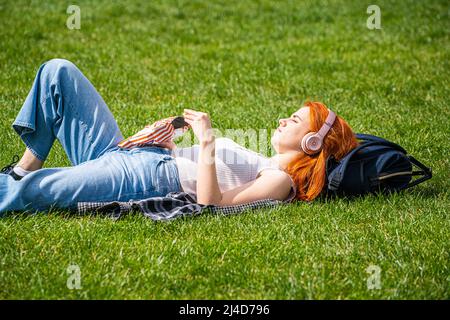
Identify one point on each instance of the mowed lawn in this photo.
(246, 63)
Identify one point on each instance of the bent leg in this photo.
(63, 104)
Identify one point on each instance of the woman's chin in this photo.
(275, 143)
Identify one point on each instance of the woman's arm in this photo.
(272, 184)
(208, 191)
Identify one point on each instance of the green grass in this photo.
(246, 63)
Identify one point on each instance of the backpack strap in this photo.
(426, 172)
(336, 180)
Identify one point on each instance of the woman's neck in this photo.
(283, 159)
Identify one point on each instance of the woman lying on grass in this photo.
(63, 104)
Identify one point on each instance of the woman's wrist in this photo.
(207, 141)
(207, 151)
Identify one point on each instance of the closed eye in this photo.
(296, 118)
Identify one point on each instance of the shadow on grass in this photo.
(422, 192)
(430, 192)
(55, 212)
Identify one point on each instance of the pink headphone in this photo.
(312, 142)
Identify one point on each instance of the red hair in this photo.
(308, 172)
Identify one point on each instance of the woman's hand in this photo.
(200, 124)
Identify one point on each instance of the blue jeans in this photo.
(63, 105)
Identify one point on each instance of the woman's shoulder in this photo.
(276, 173)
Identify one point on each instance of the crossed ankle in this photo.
(21, 172)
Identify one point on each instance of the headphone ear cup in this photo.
(304, 144)
(311, 143)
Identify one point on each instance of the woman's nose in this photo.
(282, 122)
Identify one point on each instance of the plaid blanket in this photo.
(171, 206)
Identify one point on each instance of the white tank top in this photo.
(235, 166)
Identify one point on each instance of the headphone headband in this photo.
(312, 142)
(329, 121)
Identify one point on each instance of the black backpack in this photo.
(376, 165)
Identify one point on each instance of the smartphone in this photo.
(179, 122)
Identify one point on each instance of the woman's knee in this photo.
(58, 67)
(59, 63)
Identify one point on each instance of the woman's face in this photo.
(288, 136)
